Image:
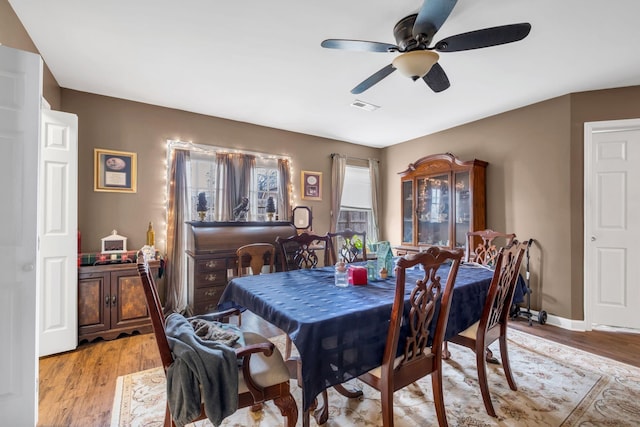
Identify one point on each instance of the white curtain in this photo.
(178, 209)
(374, 175)
(338, 167)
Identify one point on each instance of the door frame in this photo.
(591, 128)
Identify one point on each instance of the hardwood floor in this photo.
(77, 388)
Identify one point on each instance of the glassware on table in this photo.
(341, 279)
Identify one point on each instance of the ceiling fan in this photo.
(414, 35)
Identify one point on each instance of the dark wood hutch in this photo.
(212, 255)
(442, 199)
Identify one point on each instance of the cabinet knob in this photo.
(211, 264)
(210, 293)
(211, 277)
(593, 238)
(113, 300)
(107, 299)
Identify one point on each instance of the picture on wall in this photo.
(311, 185)
(114, 171)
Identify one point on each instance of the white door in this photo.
(612, 223)
(58, 232)
(20, 93)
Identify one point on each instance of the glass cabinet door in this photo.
(463, 207)
(433, 210)
(407, 212)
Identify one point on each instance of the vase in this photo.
(269, 216)
(202, 214)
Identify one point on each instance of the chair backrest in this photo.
(300, 251)
(348, 245)
(255, 255)
(505, 277)
(155, 310)
(424, 295)
(486, 251)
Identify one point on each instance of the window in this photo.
(355, 207)
(203, 180)
(266, 181)
(265, 185)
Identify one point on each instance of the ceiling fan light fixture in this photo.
(415, 64)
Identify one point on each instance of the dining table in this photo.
(340, 332)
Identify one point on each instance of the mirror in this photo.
(302, 217)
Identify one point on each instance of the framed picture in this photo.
(114, 171)
(311, 185)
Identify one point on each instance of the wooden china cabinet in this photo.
(442, 199)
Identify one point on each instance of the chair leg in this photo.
(490, 358)
(482, 380)
(446, 354)
(168, 421)
(287, 348)
(504, 354)
(288, 409)
(438, 396)
(386, 399)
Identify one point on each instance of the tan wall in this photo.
(13, 34)
(527, 185)
(534, 182)
(117, 124)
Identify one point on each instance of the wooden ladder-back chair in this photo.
(350, 246)
(418, 358)
(486, 251)
(255, 256)
(262, 376)
(252, 258)
(492, 325)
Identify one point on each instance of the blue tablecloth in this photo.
(340, 332)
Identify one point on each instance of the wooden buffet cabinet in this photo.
(111, 301)
(212, 255)
(442, 199)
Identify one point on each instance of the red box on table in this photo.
(357, 275)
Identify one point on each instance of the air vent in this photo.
(364, 105)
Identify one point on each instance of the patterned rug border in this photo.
(612, 387)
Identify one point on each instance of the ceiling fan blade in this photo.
(373, 79)
(484, 38)
(432, 15)
(437, 79)
(360, 45)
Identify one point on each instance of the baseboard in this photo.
(561, 322)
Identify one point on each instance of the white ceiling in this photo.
(260, 61)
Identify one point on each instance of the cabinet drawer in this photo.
(211, 264)
(206, 299)
(215, 277)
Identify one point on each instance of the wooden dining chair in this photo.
(483, 245)
(254, 257)
(348, 245)
(301, 251)
(421, 353)
(492, 325)
(251, 260)
(262, 373)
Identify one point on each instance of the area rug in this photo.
(557, 386)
